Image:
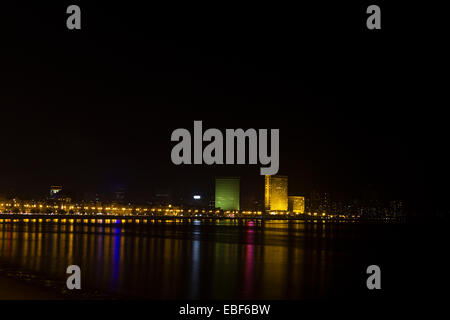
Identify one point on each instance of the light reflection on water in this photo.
(215, 260)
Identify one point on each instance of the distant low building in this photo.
(55, 190)
(296, 204)
(396, 208)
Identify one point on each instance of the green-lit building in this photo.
(227, 193)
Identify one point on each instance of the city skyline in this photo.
(95, 122)
(225, 198)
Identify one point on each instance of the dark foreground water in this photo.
(218, 259)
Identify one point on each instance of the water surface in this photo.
(216, 259)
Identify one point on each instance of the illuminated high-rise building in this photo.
(227, 193)
(276, 193)
(296, 204)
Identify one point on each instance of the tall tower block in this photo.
(227, 195)
(276, 193)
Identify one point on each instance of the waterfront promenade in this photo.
(145, 219)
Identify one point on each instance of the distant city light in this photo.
(197, 197)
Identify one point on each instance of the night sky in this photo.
(94, 109)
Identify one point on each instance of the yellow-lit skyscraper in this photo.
(296, 204)
(276, 193)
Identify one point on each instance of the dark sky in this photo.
(94, 109)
